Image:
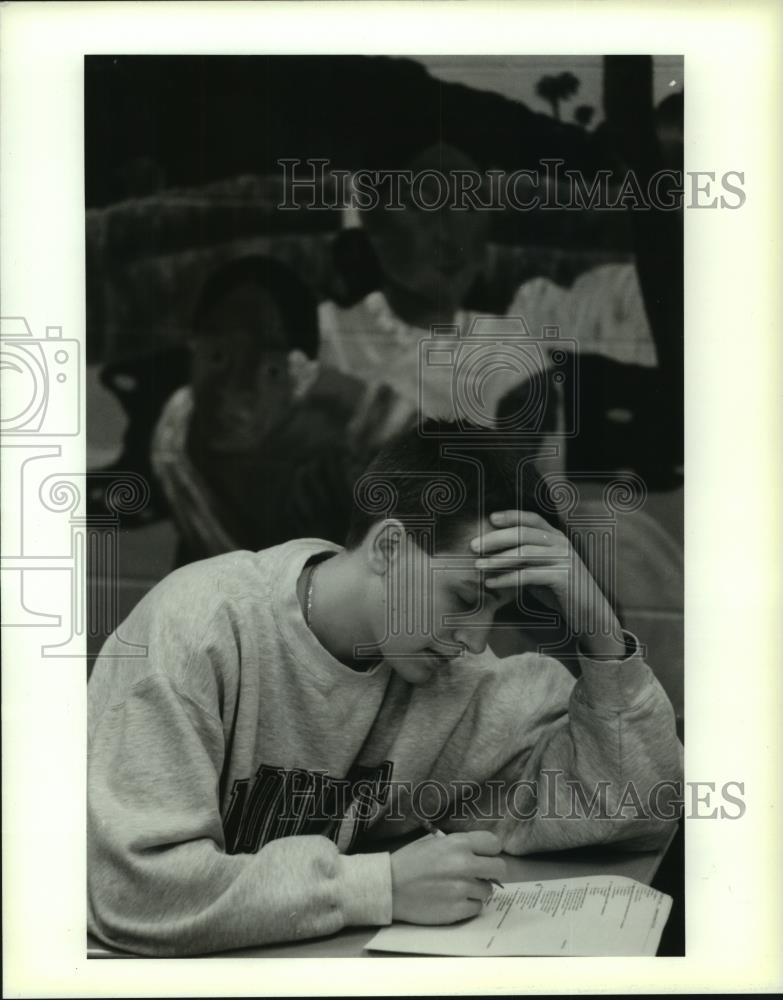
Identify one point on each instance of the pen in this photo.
(437, 832)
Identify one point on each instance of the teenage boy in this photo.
(300, 705)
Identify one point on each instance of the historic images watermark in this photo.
(317, 797)
(313, 185)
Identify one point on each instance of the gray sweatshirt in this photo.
(241, 780)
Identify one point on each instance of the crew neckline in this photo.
(290, 620)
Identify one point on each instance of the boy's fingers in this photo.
(515, 556)
(513, 579)
(490, 868)
(542, 575)
(483, 842)
(506, 518)
(494, 540)
(479, 889)
(508, 538)
(470, 908)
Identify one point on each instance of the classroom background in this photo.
(182, 180)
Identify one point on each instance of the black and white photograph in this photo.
(385, 389)
(386, 538)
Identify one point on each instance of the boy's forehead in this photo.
(458, 557)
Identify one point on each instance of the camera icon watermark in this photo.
(41, 381)
(60, 566)
(500, 376)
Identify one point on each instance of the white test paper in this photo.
(605, 915)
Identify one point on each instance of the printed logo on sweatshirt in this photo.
(287, 802)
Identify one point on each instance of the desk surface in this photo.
(350, 943)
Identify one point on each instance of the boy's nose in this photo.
(473, 639)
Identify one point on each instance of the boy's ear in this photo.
(385, 545)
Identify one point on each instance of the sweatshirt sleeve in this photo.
(160, 882)
(609, 770)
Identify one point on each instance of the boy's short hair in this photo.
(440, 477)
(296, 302)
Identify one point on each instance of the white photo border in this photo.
(733, 491)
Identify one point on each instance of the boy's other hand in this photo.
(438, 880)
(525, 550)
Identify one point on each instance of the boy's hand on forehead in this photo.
(524, 550)
(513, 527)
(520, 541)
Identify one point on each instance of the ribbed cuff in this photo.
(366, 889)
(617, 684)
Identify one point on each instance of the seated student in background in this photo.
(426, 263)
(299, 704)
(246, 455)
(424, 267)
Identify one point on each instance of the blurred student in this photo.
(250, 454)
(426, 262)
(422, 274)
